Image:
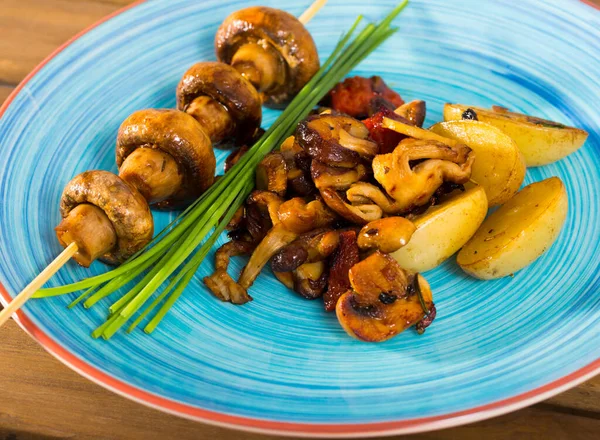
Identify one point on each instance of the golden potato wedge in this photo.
(442, 230)
(518, 232)
(541, 141)
(499, 166)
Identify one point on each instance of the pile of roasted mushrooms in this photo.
(165, 156)
(333, 203)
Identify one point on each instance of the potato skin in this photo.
(518, 232)
(443, 230)
(541, 141)
(499, 165)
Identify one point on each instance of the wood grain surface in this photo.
(43, 399)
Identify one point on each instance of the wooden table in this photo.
(41, 398)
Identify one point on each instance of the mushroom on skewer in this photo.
(166, 155)
(270, 48)
(105, 216)
(227, 106)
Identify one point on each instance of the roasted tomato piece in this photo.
(360, 97)
(384, 137)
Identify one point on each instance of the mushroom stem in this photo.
(260, 65)
(92, 231)
(153, 172)
(214, 118)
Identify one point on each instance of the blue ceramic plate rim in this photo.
(268, 426)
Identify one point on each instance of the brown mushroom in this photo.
(412, 186)
(298, 164)
(220, 282)
(413, 112)
(271, 49)
(299, 216)
(345, 256)
(384, 299)
(387, 234)
(107, 218)
(310, 279)
(271, 174)
(227, 106)
(174, 161)
(357, 214)
(339, 141)
(325, 176)
(311, 247)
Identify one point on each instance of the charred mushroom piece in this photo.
(234, 157)
(382, 302)
(412, 186)
(338, 141)
(346, 255)
(361, 97)
(166, 155)
(357, 214)
(387, 234)
(285, 278)
(413, 112)
(310, 280)
(261, 214)
(276, 238)
(271, 49)
(308, 248)
(220, 282)
(298, 164)
(361, 193)
(325, 176)
(227, 106)
(271, 174)
(299, 216)
(107, 218)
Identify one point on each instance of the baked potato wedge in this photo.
(518, 232)
(541, 141)
(442, 230)
(499, 166)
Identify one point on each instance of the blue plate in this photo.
(281, 364)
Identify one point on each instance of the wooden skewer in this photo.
(70, 250)
(311, 11)
(38, 282)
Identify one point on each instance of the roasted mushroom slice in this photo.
(339, 141)
(325, 176)
(310, 279)
(107, 218)
(299, 216)
(413, 112)
(357, 214)
(345, 256)
(360, 97)
(308, 248)
(166, 155)
(361, 193)
(384, 299)
(261, 213)
(387, 234)
(275, 239)
(271, 174)
(227, 106)
(220, 282)
(271, 49)
(298, 164)
(412, 186)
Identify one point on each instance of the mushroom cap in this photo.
(282, 31)
(125, 207)
(227, 86)
(178, 134)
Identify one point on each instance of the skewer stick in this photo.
(311, 11)
(38, 282)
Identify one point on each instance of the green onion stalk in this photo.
(175, 254)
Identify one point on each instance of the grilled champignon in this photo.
(227, 106)
(361, 97)
(310, 279)
(271, 49)
(311, 247)
(383, 300)
(174, 161)
(338, 141)
(107, 218)
(411, 186)
(387, 234)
